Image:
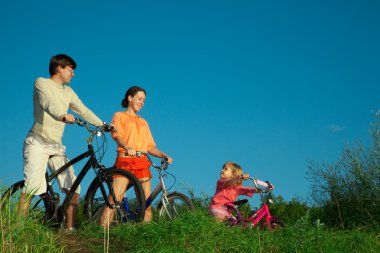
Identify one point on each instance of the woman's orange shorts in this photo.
(139, 166)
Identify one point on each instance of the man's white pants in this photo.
(37, 155)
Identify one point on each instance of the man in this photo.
(43, 144)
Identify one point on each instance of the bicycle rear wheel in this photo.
(178, 204)
(130, 208)
(39, 207)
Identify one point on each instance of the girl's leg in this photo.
(119, 185)
(147, 187)
(219, 213)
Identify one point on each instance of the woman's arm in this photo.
(121, 143)
(158, 153)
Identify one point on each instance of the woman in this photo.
(133, 134)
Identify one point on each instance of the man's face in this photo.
(66, 74)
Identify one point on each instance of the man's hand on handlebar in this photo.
(68, 118)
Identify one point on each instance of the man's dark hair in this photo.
(60, 60)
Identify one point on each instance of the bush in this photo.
(348, 191)
(289, 212)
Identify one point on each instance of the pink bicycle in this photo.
(261, 217)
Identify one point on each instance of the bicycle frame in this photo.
(262, 213)
(55, 196)
(259, 215)
(157, 190)
(91, 163)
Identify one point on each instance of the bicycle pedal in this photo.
(232, 220)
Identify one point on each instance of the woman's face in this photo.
(137, 102)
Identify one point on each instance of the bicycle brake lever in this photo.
(107, 128)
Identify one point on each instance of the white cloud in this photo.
(335, 128)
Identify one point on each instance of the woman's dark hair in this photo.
(61, 60)
(131, 92)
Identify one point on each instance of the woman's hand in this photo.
(130, 151)
(170, 160)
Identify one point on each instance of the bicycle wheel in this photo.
(177, 205)
(130, 208)
(39, 206)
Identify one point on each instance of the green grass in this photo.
(195, 232)
(25, 234)
(198, 232)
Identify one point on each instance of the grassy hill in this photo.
(196, 232)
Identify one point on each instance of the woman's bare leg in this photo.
(119, 186)
(147, 187)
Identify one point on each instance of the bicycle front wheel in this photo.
(177, 204)
(39, 207)
(131, 207)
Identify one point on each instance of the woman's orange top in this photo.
(134, 130)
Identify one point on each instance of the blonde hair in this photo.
(237, 171)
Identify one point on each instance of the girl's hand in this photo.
(245, 176)
(270, 186)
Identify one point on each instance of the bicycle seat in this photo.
(236, 204)
(240, 202)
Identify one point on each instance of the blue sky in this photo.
(266, 84)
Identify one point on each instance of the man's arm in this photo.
(41, 93)
(79, 108)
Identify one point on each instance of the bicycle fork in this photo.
(260, 214)
(100, 176)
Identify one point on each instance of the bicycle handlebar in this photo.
(164, 160)
(94, 130)
(257, 182)
(104, 128)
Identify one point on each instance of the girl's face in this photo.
(137, 102)
(226, 173)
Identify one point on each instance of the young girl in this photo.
(133, 134)
(228, 188)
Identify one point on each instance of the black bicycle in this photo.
(49, 206)
(170, 205)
